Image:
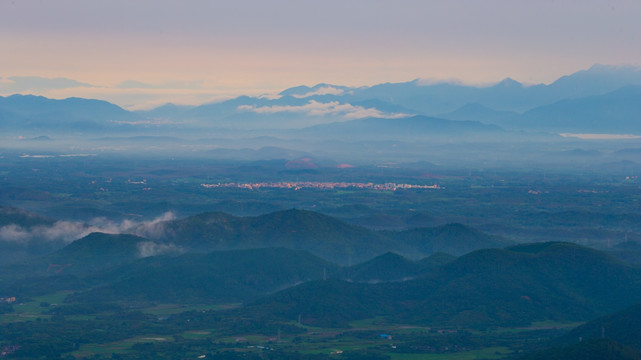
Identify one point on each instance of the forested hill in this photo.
(319, 234)
(511, 286)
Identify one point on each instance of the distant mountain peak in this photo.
(509, 83)
(318, 89)
(613, 68)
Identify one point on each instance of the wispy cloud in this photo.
(332, 108)
(68, 231)
(325, 90)
(153, 229)
(150, 248)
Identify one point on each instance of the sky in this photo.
(143, 53)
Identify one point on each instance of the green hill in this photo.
(91, 253)
(319, 234)
(386, 267)
(552, 281)
(16, 226)
(455, 239)
(95, 251)
(435, 260)
(393, 267)
(220, 276)
(613, 336)
(295, 229)
(623, 326)
(560, 281)
(331, 303)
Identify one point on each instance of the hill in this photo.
(455, 239)
(97, 251)
(37, 113)
(16, 227)
(623, 326)
(22, 218)
(319, 234)
(94, 252)
(386, 267)
(478, 112)
(514, 286)
(615, 112)
(393, 267)
(221, 276)
(295, 229)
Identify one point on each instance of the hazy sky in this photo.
(143, 52)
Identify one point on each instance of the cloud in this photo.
(68, 231)
(315, 108)
(325, 90)
(16, 84)
(65, 231)
(152, 229)
(438, 81)
(150, 248)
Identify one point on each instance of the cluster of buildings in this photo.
(297, 185)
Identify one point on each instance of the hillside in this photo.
(515, 286)
(15, 226)
(22, 218)
(296, 229)
(221, 276)
(94, 252)
(393, 267)
(97, 251)
(615, 112)
(623, 326)
(319, 234)
(612, 336)
(386, 267)
(37, 113)
(455, 239)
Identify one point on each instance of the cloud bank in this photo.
(150, 248)
(325, 90)
(332, 108)
(69, 231)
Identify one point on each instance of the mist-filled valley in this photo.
(395, 221)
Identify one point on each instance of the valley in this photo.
(494, 264)
(399, 221)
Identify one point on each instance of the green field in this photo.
(489, 353)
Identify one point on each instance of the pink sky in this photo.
(197, 51)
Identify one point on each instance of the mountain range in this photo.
(319, 234)
(597, 100)
(512, 286)
(487, 287)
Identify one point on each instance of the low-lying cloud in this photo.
(332, 108)
(68, 231)
(325, 90)
(150, 248)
